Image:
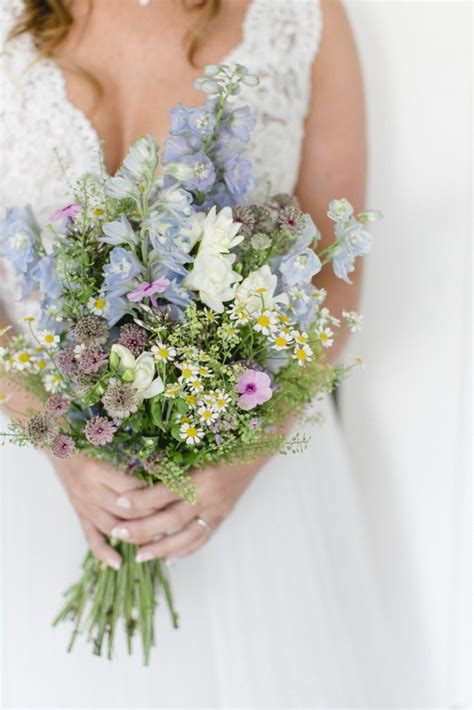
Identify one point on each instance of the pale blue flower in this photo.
(343, 263)
(122, 186)
(299, 268)
(122, 268)
(46, 277)
(204, 174)
(240, 123)
(142, 158)
(177, 146)
(117, 308)
(357, 240)
(119, 232)
(340, 210)
(238, 176)
(19, 236)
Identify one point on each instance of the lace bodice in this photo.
(47, 142)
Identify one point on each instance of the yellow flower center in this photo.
(301, 354)
(190, 399)
(262, 289)
(264, 321)
(191, 431)
(23, 357)
(280, 342)
(49, 338)
(186, 373)
(98, 212)
(41, 364)
(163, 352)
(100, 304)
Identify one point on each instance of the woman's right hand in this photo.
(95, 489)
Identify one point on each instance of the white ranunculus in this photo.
(212, 275)
(142, 369)
(220, 232)
(257, 290)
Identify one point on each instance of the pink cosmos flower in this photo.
(254, 388)
(148, 290)
(69, 212)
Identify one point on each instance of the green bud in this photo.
(114, 360)
(128, 376)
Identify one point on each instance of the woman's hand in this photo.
(93, 488)
(173, 530)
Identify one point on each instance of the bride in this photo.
(278, 607)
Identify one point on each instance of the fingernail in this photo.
(120, 533)
(123, 502)
(112, 562)
(170, 562)
(144, 557)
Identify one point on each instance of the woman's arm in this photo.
(334, 150)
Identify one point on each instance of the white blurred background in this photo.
(406, 416)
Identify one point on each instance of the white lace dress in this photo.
(280, 609)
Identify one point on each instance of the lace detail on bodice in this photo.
(47, 142)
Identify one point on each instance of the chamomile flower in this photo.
(239, 314)
(211, 316)
(163, 353)
(183, 419)
(191, 433)
(220, 400)
(203, 371)
(325, 336)
(195, 385)
(324, 316)
(229, 331)
(284, 319)
(172, 391)
(203, 356)
(265, 323)
(320, 295)
(39, 363)
(207, 415)
(353, 320)
(98, 305)
(190, 352)
(48, 339)
(52, 382)
(22, 360)
(191, 400)
(300, 337)
(188, 371)
(302, 354)
(282, 340)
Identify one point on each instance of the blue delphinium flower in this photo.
(119, 232)
(238, 176)
(44, 274)
(138, 166)
(203, 175)
(122, 269)
(298, 268)
(19, 233)
(239, 123)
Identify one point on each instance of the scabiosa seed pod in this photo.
(119, 400)
(91, 360)
(134, 338)
(66, 361)
(41, 429)
(99, 431)
(91, 330)
(63, 446)
(56, 406)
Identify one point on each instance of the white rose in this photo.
(219, 231)
(256, 291)
(213, 277)
(141, 369)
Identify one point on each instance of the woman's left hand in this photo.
(174, 530)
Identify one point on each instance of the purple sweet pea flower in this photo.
(254, 388)
(148, 290)
(68, 212)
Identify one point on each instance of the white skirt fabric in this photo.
(280, 609)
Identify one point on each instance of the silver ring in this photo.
(204, 524)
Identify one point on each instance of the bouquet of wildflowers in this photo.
(177, 326)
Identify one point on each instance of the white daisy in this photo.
(302, 354)
(48, 339)
(163, 353)
(325, 336)
(190, 433)
(22, 360)
(172, 391)
(282, 340)
(207, 415)
(52, 382)
(98, 305)
(265, 323)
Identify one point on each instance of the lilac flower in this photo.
(91, 360)
(134, 338)
(254, 388)
(148, 290)
(99, 431)
(67, 213)
(63, 446)
(203, 173)
(238, 176)
(122, 268)
(56, 406)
